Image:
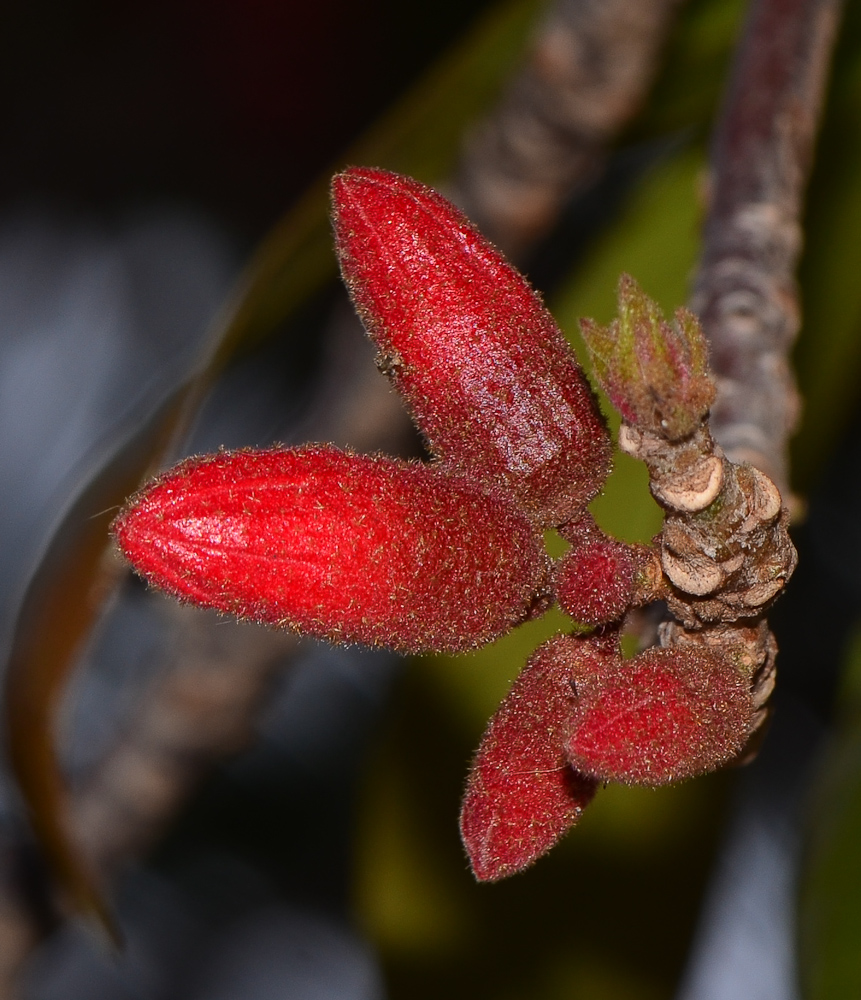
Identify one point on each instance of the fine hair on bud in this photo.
(355, 549)
(666, 715)
(482, 365)
(522, 795)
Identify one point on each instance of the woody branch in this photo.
(745, 291)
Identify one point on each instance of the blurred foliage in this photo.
(420, 136)
(830, 925)
(687, 92)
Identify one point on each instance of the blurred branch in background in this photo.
(745, 291)
(587, 73)
(199, 711)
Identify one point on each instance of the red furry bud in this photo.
(595, 582)
(346, 547)
(666, 715)
(488, 377)
(601, 579)
(522, 796)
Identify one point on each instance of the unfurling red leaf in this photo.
(340, 546)
(522, 795)
(655, 373)
(666, 715)
(488, 376)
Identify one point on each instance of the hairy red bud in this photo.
(487, 375)
(666, 715)
(345, 547)
(599, 580)
(595, 582)
(522, 795)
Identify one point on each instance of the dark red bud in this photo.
(522, 796)
(345, 547)
(595, 582)
(486, 372)
(666, 715)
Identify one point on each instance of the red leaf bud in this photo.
(666, 715)
(595, 582)
(522, 795)
(340, 546)
(599, 580)
(487, 375)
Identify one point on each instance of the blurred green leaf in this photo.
(830, 903)
(690, 82)
(828, 354)
(58, 611)
(408, 898)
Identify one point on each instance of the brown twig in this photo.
(201, 710)
(724, 549)
(745, 291)
(586, 74)
(725, 552)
